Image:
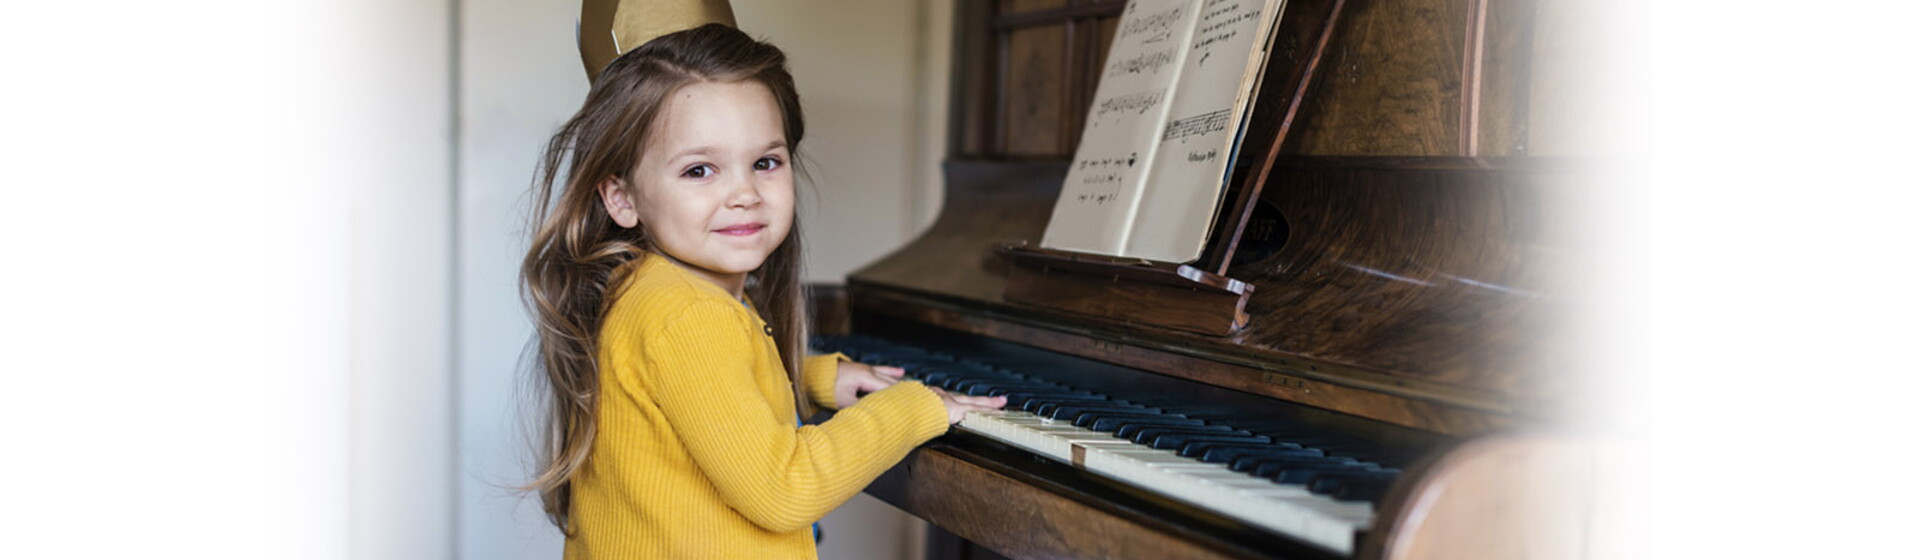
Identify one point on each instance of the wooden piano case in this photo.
(1404, 207)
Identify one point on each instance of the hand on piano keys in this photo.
(1283, 480)
(961, 407)
(854, 379)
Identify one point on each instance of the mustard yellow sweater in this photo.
(698, 455)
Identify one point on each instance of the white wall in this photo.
(520, 78)
(868, 146)
(402, 310)
(854, 63)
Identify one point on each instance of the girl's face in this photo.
(713, 187)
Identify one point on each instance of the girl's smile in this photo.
(742, 230)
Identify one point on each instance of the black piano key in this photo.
(1033, 403)
(961, 384)
(999, 390)
(1267, 467)
(1326, 482)
(1111, 422)
(1128, 428)
(996, 388)
(970, 362)
(1304, 474)
(879, 359)
(1046, 407)
(1141, 432)
(1334, 484)
(1174, 438)
(944, 383)
(1114, 424)
(1070, 412)
(1146, 435)
(995, 378)
(970, 374)
(1028, 400)
(1086, 417)
(1228, 453)
(940, 376)
(1363, 490)
(1061, 393)
(1190, 445)
(1029, 385)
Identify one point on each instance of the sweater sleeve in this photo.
(818, 374)
(779, 476)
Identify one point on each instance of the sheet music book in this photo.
(1155, 155)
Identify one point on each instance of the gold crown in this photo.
(610, 28)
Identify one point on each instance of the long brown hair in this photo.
(577, 260)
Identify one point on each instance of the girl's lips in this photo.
(741, 229)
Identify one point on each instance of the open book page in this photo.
(1189, 173)
(1096, 206)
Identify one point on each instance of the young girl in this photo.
(665, 279)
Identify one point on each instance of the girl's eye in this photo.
(701, 171)
(768, 163)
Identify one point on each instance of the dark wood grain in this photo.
(1173, 296)
(1025, 6)
(1034, 119)
(1504, 108)
(1025, 509)
(1439, 269)
(1392, 83)
(1121, 268)
(1187, 309)
(1006, 515)
(1436, 279)
(974, 91)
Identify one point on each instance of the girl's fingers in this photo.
(983, 402)
(890, 371)
(876, 383)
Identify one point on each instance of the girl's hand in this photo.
(959, 405)
(855, 379)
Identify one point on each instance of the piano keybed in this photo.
(1275, 475)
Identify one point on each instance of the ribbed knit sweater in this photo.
(698, 455)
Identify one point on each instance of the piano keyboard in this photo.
(1285, 481)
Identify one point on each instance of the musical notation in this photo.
(1154, 27)
(1144, 63)
(1199, 125)
(1177, 70)
(1137, 103)
(1103, 175)
(1220, 22)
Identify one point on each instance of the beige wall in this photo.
(863, 68)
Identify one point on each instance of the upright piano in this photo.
(1371, 358)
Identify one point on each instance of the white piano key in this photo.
(1290, 510)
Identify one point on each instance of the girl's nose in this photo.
(745, 193)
